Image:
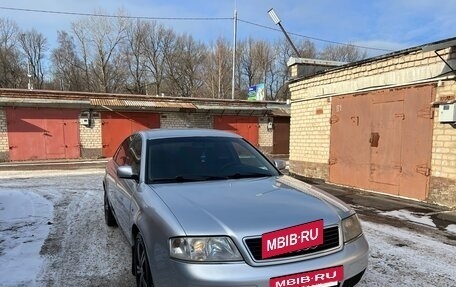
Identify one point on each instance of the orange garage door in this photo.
(42, 133)
(245, 126)
(116, 126)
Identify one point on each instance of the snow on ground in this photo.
(399, 257)
(80, 250)
(24, 218)
(410, 216)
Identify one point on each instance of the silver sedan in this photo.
(206, 208)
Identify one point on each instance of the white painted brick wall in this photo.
(310, 131)
(90, 137)
(185, 120)
(4, 146)
(444, 138)
(265, 136)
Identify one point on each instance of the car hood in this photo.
(248, 207)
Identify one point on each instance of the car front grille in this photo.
(330, 241)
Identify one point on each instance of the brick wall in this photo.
(185, 120)
(443, 170)
(309, 138)
(4, 146)
(90, 138)
(402, 69)
(265, 136)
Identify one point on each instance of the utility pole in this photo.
(29, 76)
(234, 55)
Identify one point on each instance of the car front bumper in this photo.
(353, 257)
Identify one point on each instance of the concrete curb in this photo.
(49, 165)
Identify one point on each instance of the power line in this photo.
(313, 38)
(187, 19)
(117, 16)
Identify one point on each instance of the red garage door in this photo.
(242, 125)
(42, 133)
(281, 136)
(382, 140)
(116, 126)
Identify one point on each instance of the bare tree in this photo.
(240, 88)
(307, 49)
(113, 54)
(275, 72)
(185, 67)
(11, 73)
(248, 65)
(136, 33)
(67, 67)
(34, 45)
(218, 71)
(83, 49)
(343, 53)
(158, 46)
(278, 75)
(99, 39)
(260, 63)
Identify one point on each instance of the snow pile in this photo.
(24, 218)
(451, 228)
(413, 217)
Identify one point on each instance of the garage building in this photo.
(50, 125)
(380, 124)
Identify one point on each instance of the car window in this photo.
(129, 153)
(203, 158)
(134, 153)
(120, 157)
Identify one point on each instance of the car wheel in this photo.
(109, 216)
(141, 263)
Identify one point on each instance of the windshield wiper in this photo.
(178, 178)
(181, 178)
(248, 175)
(237, 175)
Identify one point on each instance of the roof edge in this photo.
(434, 46)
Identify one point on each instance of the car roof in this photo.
(176, 133)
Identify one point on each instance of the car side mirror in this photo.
(126, 172)
(280, 164)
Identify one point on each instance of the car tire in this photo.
(110, 220)
(141, 264)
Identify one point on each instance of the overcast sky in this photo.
(383, 24)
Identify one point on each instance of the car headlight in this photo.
(209, 249)
(351, 228)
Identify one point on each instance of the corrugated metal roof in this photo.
(7, 100)
(139, 104)
(234, 108)
(281, 112)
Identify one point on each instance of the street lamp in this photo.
(276, 20)
(274, 16)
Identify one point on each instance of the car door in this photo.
(129, 153)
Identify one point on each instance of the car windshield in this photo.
(204, 158)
